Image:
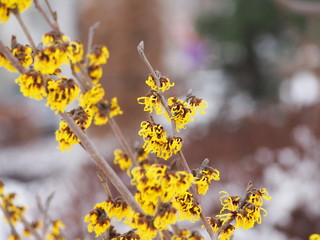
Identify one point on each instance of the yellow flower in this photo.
(151, 102)
(180, 112)
(155, 182)
(165, 83)
(98, 221)
(8, 7)
(187, 208)
(144, 225)
(104, 110)
(75, 52)
(228, 202)
(32, 85)
(99, 55)
(257, 196)
(197, 104)
(101, 112)
(21, 5)
(95, 73)
(4, 12)
(53, 37)
(65, 136)
(117, 209)
(61, 93)
(156, 141)
(49, 59)
(91, 97)
(14, 237)
(55, 233)
(248, 213)
(166, 215)
(34, 225)
(115, 109)
(204, 179)
(122, 159)
(4, 62)
(314, 236)
(23, 54)
(227, 232)
(142, 156)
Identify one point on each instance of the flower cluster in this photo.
(99, 56)
(65, 136)
(32, 85)
(156, 140)
(122, 159)
(246, 212)
(204, 178)
(165, 83)
(23, 53)
(61, 93)
(164, 194)
(188, 208)
(183, 111)
(15, 215)
(156, 182)
(102, 213)
(12, 6)
(152, 102)
(314, 236)
(42, 79)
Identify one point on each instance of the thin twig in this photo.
(53, 26)
(122, 140)
(92, 29)
(104, 183)
(86, 78)
(44, 210)
(156, 76)
(12, 59)
(25, 30)
(101, 162)
(53, 13)
(183, 160)
(79, 79)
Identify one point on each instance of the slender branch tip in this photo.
(140, 48)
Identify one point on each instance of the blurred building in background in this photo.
(255, 62)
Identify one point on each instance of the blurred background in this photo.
(256, 62)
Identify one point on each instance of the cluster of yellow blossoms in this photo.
(181, 112)
(246, 212)
(15, 215)
(164, 194)
(314, 236)
(8, 7)
(42, 79)
(156, 140)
